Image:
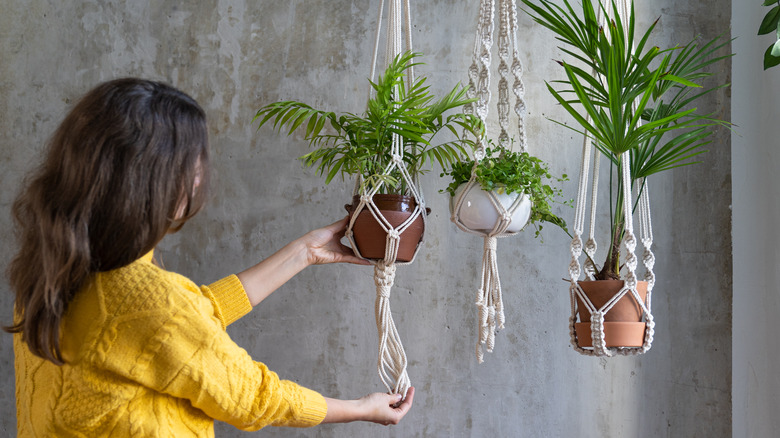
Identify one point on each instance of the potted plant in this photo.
(627, 96)
(509, 175)
(361, 145)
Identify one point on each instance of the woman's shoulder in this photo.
(134, 303)
(142, 285)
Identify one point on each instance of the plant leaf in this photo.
(679, 80)
(769, 23)
(769, 59)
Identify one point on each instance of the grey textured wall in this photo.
(234, 56)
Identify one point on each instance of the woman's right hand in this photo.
(323, 245)
(377, 408)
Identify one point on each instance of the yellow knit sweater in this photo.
(147, 355)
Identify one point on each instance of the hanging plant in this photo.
(513, 174)
(639, 99)
(634, 104)
(360, 145)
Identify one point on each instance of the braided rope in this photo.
(591, 246)
(392, 361)
(518, 88)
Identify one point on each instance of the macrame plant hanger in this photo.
(629, 242)
(489, 298)
(392, 361)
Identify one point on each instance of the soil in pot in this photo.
(371, 238)
(623, 326)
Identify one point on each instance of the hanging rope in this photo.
(392, 358)
(392, 362)
(577, 295)
(489, 300)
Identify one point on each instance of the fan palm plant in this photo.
(626, 95)
(362, 144)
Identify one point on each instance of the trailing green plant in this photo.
(507, 171)
(630, 96)
(351, 144)
(771, 23)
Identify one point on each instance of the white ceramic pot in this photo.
(479, 214)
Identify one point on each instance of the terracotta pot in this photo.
(479, 214)
(371, 238)
(623, 326)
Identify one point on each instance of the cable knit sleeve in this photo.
(182, 349)
(228, 298)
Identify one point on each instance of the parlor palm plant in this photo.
(626, 95)
(361, 144)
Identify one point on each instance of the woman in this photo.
(106, 342)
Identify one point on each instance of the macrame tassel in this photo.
(392, 358)
(489, 300)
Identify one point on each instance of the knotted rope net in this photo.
(489, 300)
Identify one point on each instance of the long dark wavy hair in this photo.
(128, 165)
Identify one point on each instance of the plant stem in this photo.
(611, 268)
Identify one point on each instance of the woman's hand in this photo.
(377, 408)
(324, 245)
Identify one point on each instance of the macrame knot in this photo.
(393, 234)
(574, 269)
(597, 331)
(490, 244)
(630, 241)
(590, 247)
(384, 275)
(520, 106)
(648, 258)
(473, 71)
(576, 244)
(517, 68)
(484, 58)
(397, 159)
(365, 199)
(630, 281)
(483, 315)
(503, 70)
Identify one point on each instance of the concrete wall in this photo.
(234, 56)
(756, 211)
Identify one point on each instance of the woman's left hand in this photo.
(324, 245)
